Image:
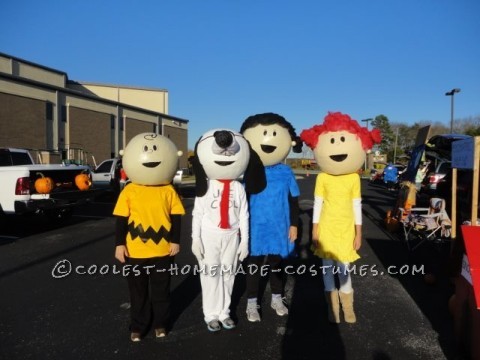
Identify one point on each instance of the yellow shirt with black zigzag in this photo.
(148, 209)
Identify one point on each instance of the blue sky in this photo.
(223, 60)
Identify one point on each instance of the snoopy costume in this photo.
(220, 226)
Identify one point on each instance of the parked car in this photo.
(437, 170)
(441, 145)
(438, 152)
(108, 175)
(50, 189)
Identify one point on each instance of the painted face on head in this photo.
(339, 153)
(150, 159)
(272, 143)
(223, 153)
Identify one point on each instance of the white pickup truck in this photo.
(107, 175)
(18, 174)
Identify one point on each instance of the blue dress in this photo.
(270, 213)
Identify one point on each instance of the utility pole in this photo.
(367, 121)
(452, 93)
(395, 148)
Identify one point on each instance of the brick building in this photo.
(64, 120)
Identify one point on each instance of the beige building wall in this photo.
(150, 99)
(179, 136)
(41, 109)
(32, 71)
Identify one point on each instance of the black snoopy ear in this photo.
(201, 184)
(254, 178)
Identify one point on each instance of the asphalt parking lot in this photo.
(83, 313)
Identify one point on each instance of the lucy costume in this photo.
(270, 211)
(220, 238)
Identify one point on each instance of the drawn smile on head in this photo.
(268, 148)
(338, 158)
(152, 164)
(224, 163)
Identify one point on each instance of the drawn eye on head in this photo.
(265, 133)
(342, 139)
(147, 149)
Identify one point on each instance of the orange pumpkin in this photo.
(44, 185)
(83, 181)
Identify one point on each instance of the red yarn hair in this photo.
(336, 121)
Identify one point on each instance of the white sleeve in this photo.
(197, 214)
(317, 209)
(357, 211)
(244, 214)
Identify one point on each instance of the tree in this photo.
(381, 123)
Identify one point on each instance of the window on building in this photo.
(49, 111)
(112, 122)
(64, 113)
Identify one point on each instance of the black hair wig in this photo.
(271, 119)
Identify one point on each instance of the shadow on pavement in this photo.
(430, 293)
(308, 333)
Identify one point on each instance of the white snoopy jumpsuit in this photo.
(220, 246)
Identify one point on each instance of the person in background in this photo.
(422, 171)
(390, 176)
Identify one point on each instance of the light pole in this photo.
(452, 93)
(367, 121)
(366, 155)
(395, 148)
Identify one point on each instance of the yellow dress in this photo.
(336, 226)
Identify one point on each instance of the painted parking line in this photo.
(90, 216)
(8, 238)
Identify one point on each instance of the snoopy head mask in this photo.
(223, 154)
(150, 159)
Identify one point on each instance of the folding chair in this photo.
(427, 224)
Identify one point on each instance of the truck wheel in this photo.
(59, 215)
(3, 218)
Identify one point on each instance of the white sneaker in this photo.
(279, 306)
(252, 312)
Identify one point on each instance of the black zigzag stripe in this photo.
(156, 236)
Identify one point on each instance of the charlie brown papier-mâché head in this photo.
(339, 144)
(150, 159)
